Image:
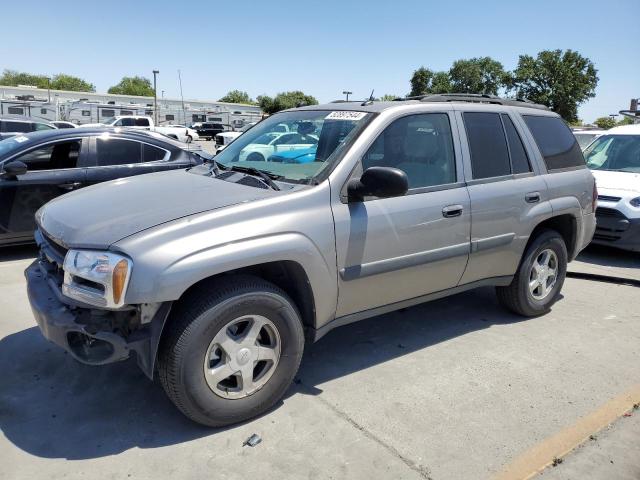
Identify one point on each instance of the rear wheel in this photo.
(230, 350)
(539, 279)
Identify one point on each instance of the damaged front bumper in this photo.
(92, 336)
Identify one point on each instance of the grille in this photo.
(609, 212)
(609, 198)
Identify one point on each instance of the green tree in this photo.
(237, 96)
(560, 80)
(477, 75)
(285, 100)
(68, 82)
(60, 81)
(425, 82)
(139, 86)
(625, 121)
(605, 122)
(388, 97)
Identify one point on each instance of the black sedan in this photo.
(37, 167)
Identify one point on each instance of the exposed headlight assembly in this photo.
(635, 202)
(97, 278)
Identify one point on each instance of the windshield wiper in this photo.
(268, 177)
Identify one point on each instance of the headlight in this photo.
(96, 278)
(635, 202)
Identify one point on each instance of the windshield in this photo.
(585, 139)
(295, 145)
(614, 152)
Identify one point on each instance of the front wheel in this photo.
(540, 276)
(230, 350)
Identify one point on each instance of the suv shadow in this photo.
(53, 407)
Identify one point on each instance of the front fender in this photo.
(173, 280)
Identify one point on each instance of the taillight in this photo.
(594, 202)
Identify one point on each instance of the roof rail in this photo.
(479, 98)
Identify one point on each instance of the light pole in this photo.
(347, 93)
(155, 97)
(49, 89)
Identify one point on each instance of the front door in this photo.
(53, 169)
(395, 249)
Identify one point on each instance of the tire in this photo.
(518, 296)
(209, 312)
(255, 157)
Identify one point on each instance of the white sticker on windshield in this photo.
(355, 116)
(20, 139)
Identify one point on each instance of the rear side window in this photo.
(142, 122)
(114, 151)
(19, 127)
(519, 159)
(488, 145)
(556, 142)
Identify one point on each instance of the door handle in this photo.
(532, 197)
(69, 186)
(452, 211)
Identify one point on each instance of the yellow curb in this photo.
(541, 456)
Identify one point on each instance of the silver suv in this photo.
(216, 275)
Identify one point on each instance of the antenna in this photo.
(184, 114)
(369, 101)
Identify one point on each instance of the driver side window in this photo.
(52, 157)
(420, 145)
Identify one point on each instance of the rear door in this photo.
(53, 169)
(508, 195)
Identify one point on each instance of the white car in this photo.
(587, 135)
(266, 145)
(225, 138)
(63, 124)
(614, 159)
(191, 134)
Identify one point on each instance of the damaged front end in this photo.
(93, 336)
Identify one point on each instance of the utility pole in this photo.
(49, 89)
(347, 93)
(184, 114)
(155, 97)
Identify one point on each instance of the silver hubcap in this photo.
(242, 357)
(544, 274)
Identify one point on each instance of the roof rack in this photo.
(479, 98)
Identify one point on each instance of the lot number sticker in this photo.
(355, 116)
(20, 139)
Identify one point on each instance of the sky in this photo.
(319, 47)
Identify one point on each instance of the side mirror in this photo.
(13, 169)
(380, 182)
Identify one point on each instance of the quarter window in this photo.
(555, 141)
(53, 157)
(488, 145)
(142, 122)
(420, 145)
(519, 159)
(152, 154)
(115, 151)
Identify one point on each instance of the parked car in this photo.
(208, 131)
(142, 122)
(266, 145)
(614, 159)
(11, 126)
(304, 155)
(587, 135)
(63, 124)
(225, 138)
(190, 133)
(215, 276)
(37, 167)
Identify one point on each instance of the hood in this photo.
(624, 181)
(98, 216)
